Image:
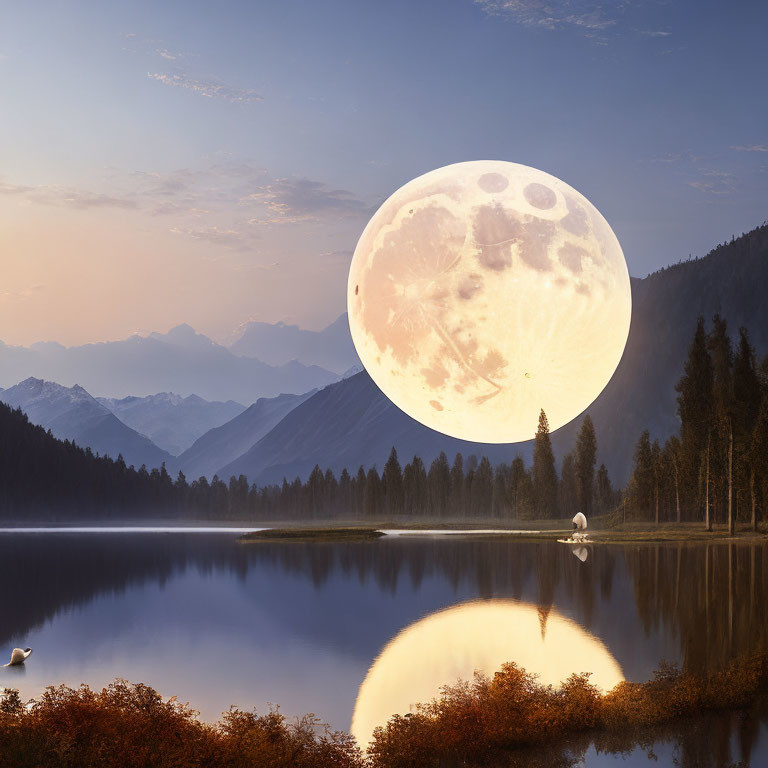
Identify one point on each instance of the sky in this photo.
(215, 163)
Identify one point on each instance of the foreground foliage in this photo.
(133, 727)
(480, 723)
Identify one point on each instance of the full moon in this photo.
(479, 636)
(482, 292)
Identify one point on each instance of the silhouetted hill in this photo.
(278, 343)
(222, 444)
(171, 421)
(345, 425)
(179, 361)
(72, 414)
(351, 422)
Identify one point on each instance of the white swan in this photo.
(580, 521)
(18, 656)
(579, 527)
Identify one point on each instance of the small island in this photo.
(328, 533)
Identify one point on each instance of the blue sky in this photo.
(213, 163)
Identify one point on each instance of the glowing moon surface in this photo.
(451, 644)
(485, 291)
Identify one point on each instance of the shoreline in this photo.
(345, 530)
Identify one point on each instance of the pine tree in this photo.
(658, 473)
(520, 490)
(392, 484)
(500, 501)
(642, 476)
(604, 490)
(358, 491)
(439, 481)
(759, 461)
(482, 489)
(457, 486)
(345, 493)
(544, 472)
(719, 345)
(586, 454)
(315, 490)
(747, 396)
(569, 487)
(373, 494)
(672, 458)
(420, 487)
(694, 406)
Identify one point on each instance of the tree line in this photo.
(715, 470)
(43, 476)
(464, 488)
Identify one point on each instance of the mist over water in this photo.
(216, 622)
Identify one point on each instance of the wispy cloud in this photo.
(166, 54)
(299, 199)
(714, 182)
(214, 235)
(208, 87)
(78, 198)
(750, 148)
(595, 19)
(22, 295)
(225, 205)
(653, 32)
(587, 15)
(13, 189)
(66, 197)
(712, 174)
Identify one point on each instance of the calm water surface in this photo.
(216, 623)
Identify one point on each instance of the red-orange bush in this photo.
(481, 723)
(132, 726)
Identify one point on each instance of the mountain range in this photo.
(347, 425)
(171, 421)
(278, 344)
(180, 361)
(222, 445)
(70, 413)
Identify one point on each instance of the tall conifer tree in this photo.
(694, 406)
(586, 455)
(544, 472)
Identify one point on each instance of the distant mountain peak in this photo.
(183, 329)
(281, 343)
(183, 335)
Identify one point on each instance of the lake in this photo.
(323, 627)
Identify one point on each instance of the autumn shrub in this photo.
(484, 722)
(132, 726)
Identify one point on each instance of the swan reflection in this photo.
(481, 636)
(581, 553)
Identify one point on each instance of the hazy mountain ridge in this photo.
(223, 444)
(171, 421)
(278, 343)
(180, 361)
(345, 425)
(72, 414)
(351, 422)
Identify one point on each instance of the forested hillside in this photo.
(43, 476)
